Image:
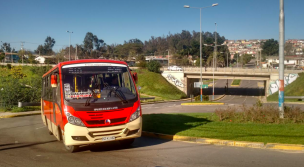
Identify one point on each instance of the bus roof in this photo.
(85, 61)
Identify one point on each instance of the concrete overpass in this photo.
(184, 79)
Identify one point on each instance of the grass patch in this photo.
(206, 125)
(294, 89)
(236, 82)
(156, 85)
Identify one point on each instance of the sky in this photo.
(115, 21)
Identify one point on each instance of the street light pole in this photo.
(215, 49)
(201, 80)
(281, 60)
(227, 60)
(187, 6)
(70, 45)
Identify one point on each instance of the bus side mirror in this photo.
(54, 81)
(134, 75)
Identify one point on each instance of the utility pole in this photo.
(214, 64)
(281, 59)
(260, 58)
(22, 54)
(76, 57)
(215, 49)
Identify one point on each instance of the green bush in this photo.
(9, 66)
(259, 114)
(154, 66)
(198, 98)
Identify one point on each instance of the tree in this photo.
(288, 49)
(270, 47)
(48, 45)
(154, 66)
(46, 49)
(246, 58)
(142, 61)
(2, 56)
(92, 42)
(6, 47)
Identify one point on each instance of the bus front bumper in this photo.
(77, 135)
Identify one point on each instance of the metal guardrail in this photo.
(234, 69)
(24, 104)
(27, 64)
(294, 97)
(147, 98)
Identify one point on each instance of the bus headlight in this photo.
(73, 120)
(135, 115)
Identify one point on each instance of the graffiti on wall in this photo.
(274, 85)
(174, 80)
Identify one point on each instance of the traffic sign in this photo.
(204, 86)
(198, 84)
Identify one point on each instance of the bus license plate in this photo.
(109, 138)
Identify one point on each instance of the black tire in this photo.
(126, 142)
(50, 133)
(71, 149)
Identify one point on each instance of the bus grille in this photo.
(106, 133)
(102, 122)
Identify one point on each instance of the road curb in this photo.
(219, 142)
(219, 98)
(200, 104)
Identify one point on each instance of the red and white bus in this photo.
(91, 101)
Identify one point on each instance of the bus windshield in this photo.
(97, 82)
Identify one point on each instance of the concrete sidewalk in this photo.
(17, 114)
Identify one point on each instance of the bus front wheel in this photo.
(71, 149)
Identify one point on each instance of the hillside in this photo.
(155, 85)
(296, 88)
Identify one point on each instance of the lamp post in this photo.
(200, 8)
(70, 32)
(213, 61)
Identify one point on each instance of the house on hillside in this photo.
(290, 61)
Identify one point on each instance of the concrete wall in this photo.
(176, 78)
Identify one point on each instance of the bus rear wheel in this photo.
(126, 142)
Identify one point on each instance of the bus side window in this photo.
(58, 93)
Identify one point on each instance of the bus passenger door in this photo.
(56, 108)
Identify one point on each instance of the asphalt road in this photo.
(25, 142)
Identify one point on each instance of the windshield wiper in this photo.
(119, 94)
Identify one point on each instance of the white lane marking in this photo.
(41, 127)
(245, 99)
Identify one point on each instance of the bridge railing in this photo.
(27, 64)
(234, 69)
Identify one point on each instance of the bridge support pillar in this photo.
(187, 86)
